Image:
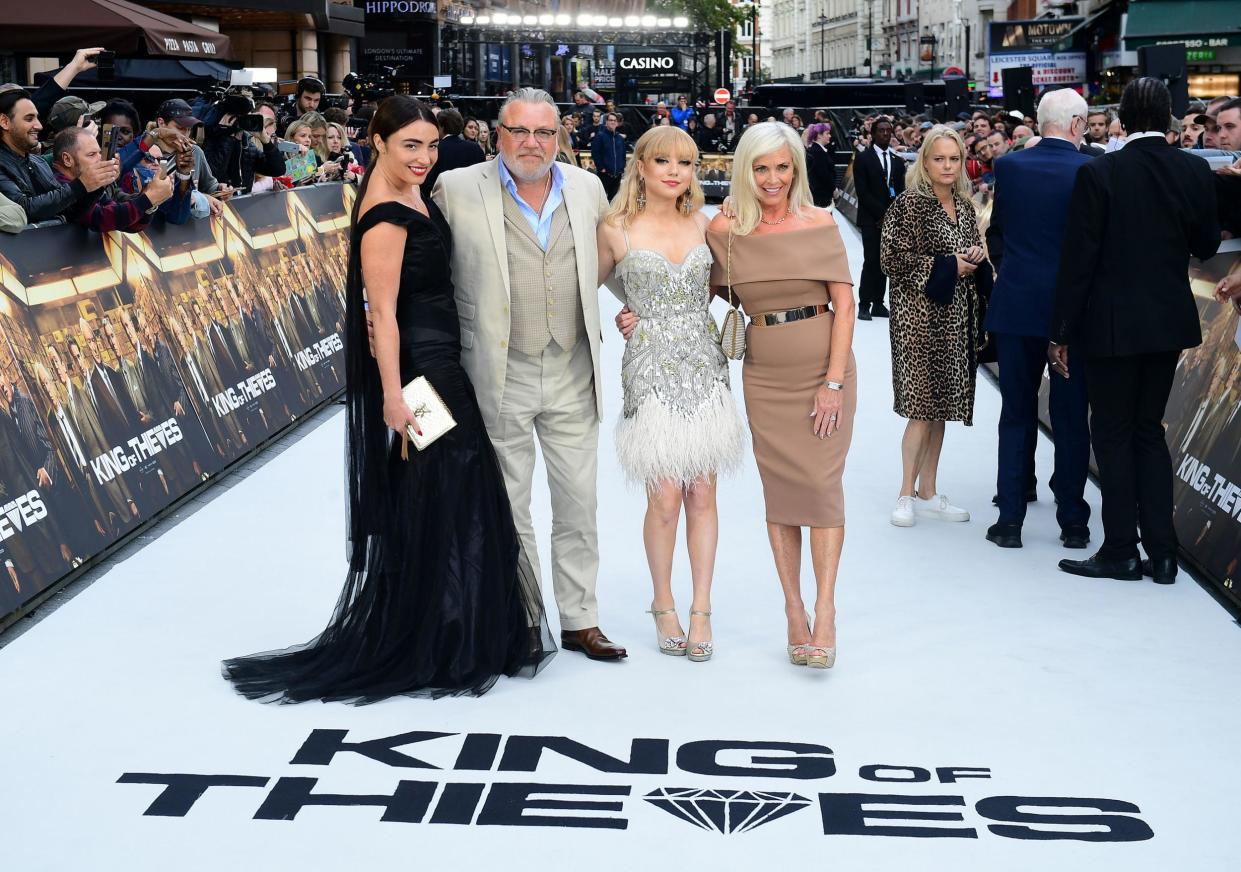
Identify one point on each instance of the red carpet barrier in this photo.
(135, 367)
(1204, 433)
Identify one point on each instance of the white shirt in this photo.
(885, 159)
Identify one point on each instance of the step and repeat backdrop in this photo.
(134, 367)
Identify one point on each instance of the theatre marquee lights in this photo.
(583, 21)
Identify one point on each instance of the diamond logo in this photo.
(725, 811)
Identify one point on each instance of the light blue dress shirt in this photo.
(541, 224)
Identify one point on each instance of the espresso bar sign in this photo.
(648, 65)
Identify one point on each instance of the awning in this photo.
(171, 73)
(123, 27)
(1088, 23)
(1197, 23)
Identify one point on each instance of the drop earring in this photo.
(641, 193)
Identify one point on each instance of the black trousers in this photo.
(1022, 361)
(874, 282)
(611, 184)
(1127, 400)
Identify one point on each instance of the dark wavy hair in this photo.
(366, 438)
(1145, 104)
(393, 114)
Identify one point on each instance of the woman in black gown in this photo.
(434, 602)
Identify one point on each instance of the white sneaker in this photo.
(903, 514)
(939, 507)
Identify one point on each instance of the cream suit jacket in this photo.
(470, 199)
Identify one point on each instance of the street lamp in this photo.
(820, 21)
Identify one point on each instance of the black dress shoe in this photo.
(863, 312)
(1075, 537)
(879, 310)
(1005, 535)
(1123, 569)
(1161, 569)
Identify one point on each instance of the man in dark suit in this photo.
(109, 394)
(1031, 207)
(878, 176)
(455, 151)
(1123, 300)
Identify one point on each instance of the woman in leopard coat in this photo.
(932, 252)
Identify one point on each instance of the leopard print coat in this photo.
(933, 345)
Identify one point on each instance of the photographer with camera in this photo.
(177, 114)
(309, 95)
(238, 145)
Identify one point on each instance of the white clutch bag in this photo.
(432, 414)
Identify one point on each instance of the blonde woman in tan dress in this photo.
(791, 276)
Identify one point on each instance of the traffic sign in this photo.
(722, 96)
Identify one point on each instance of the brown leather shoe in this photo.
(591, 642)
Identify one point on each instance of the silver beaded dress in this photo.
(680, 421)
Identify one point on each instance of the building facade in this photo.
(813, 40)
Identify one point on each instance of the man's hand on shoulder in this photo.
(720, 223)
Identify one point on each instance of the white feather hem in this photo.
(657, 444)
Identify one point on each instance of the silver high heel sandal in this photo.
(798, 655)
(704, 649)
(818, 657)
(673, 646)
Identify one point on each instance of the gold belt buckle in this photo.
(774, 319)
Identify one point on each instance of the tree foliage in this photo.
(710, 15)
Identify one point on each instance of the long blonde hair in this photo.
(758, 140)
(670, 142)
(918, 178)
(564, 146)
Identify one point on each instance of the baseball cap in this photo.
(1017, 114)
(68, 110)
(925, 125)
(963, 116)
(177, 111)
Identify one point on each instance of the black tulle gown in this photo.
(435, 602)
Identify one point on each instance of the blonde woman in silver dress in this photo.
(680, 425)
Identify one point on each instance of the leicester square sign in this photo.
(749, 785)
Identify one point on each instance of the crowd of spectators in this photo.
(63, 160)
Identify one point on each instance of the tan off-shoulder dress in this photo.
(785, 365)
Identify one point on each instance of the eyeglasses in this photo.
(544, 135)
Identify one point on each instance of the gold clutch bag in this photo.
(431, 411)
(732, 330)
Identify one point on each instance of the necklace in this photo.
(547, 189)
(784, 218)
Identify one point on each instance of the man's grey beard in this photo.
(536, 176)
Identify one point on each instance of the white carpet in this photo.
(953, 653)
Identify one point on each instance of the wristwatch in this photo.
(833, 385)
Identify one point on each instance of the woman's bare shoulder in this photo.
(819, 217)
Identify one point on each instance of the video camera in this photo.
(237, 101)
(372, 86)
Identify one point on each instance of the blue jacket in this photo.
(1031, 208)
(608, 152)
